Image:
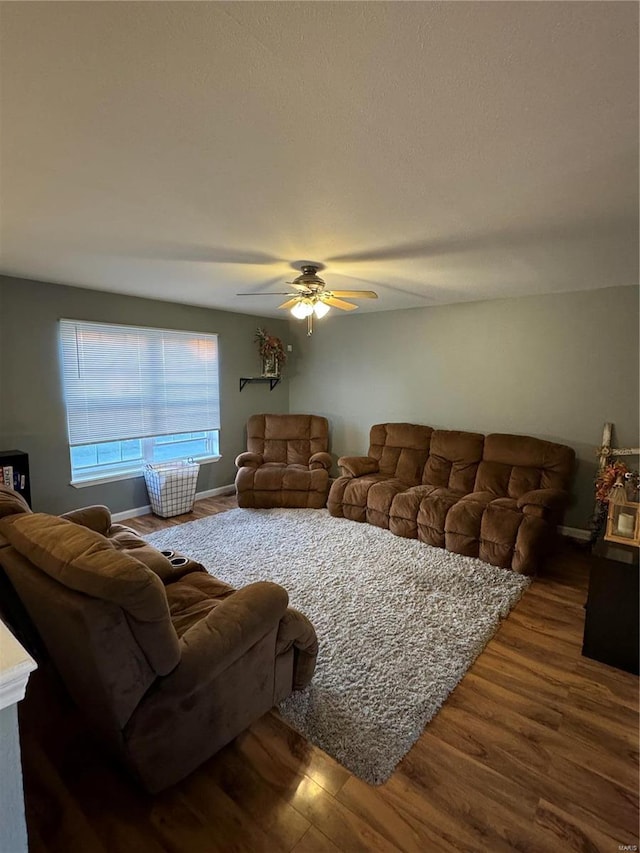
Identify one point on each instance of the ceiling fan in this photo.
(311, 297)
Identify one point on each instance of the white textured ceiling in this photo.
(438, 152)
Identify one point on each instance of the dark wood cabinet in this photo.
(611, 621)
(14, 472)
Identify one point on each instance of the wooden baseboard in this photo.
(575, 533)
(145, 510)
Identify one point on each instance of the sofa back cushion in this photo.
(86, 562)
(288, 439)
(90, 642)
(515, 464)
(401, 450)
(453, 460)
(11, 502)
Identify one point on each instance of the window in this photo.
(136, 395)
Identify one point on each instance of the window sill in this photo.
(127, 475)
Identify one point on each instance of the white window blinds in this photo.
(128, 382)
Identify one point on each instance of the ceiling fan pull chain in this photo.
(309, 324)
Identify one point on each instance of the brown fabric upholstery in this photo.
(453, 460)
(286, 463)
(87, 562)
(168, 664)
(463, 522)
(401, 450)
(515, 464)
(497, 498)
(12, 503)
(96, 518)
(348, 495)
(397, 454)
(379, 499)
(91, 644)
(291, 439)
(192, 597)
(403, 514)
(432, 515)
(296, 633)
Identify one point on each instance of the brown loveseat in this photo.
(168, 663)
(496, 497)
(286, 463)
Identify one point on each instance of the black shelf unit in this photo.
(14, 470)
(272, 380)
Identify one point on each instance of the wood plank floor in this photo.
(535, 750)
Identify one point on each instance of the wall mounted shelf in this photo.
(272, 380)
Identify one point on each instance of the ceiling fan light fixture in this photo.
(321, 309)
(302, 309)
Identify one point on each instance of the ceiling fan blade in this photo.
(290, 303)
(270, 293)
(356, 294)
(394, 285)
(338, 303)
(301, 287)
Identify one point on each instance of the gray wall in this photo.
(554, 366)
(32, 414)
(13, 828)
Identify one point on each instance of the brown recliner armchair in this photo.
(168, 663)
(286, 463)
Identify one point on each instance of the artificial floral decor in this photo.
(607, 478)
(615, 475)
(271, 351)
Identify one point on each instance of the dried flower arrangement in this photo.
(616, 482)
(271, 352)
(269, 346)
(606, 480)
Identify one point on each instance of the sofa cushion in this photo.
(11, 502)
(289, 439)
(463, 522)
(432, 515)
(453, 460)
(403, 513)
(282, 486)
(401, 450)
(87, 562)
(379, 499)
(356, 490)
(515, 464)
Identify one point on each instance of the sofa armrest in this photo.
(97, 518)
(297, 631)
(320, 460)
(543, 502)
(228, 632)
(357, 466)
(249, 460)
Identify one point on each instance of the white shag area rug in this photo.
(398, 622)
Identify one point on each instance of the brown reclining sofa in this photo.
(496, 497)
(168, 663)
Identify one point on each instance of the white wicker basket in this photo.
(171, 487)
